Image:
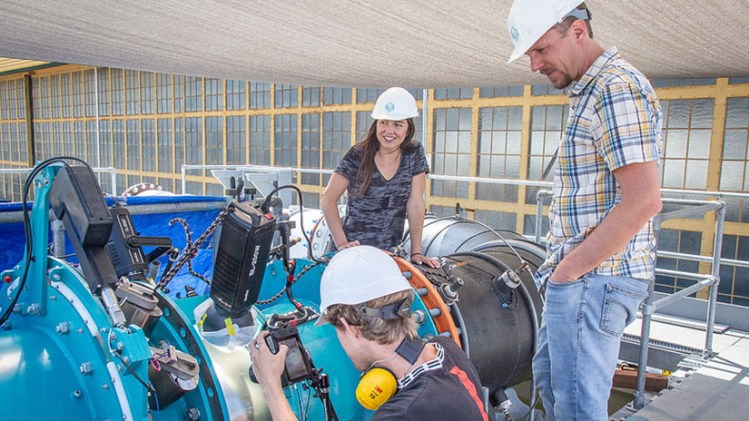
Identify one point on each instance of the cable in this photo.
(112, 352)
(266, 204)
(27, 226)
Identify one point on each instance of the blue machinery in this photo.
(100, 341)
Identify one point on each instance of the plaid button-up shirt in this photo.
(614, 120)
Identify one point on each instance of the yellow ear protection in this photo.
(379, 384)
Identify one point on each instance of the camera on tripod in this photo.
(297, 366)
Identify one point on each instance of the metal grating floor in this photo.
(715, 390)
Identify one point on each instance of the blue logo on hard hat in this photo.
(514, 34)
(389, 107)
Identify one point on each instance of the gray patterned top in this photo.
(377, 218)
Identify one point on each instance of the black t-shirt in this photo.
(447, 391)
(377, 217)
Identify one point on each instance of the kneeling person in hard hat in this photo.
(372, 319)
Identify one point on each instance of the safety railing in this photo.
(195, 167)
(99, 170)
(689, 209)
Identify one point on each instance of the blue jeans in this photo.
(579, 340)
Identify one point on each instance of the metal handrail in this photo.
(111, 170)
(649, 307)
(187, 167)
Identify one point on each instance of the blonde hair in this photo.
(376, 329)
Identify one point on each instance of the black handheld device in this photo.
(298, 366)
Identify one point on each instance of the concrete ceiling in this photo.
(414, 43)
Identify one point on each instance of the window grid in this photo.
(105, 143)
(333, 96)
(179, 145)
(259, 140)
(148, 144)
(336, 139)
(285, 140)
(45, 97)
(236, 91)
(63, 136)
(310, 147)
(498, 92)
(451, 150)
(547, 123)
(78, 103)
(90, 90)
(368, 95)
(453, 93)
(134, 161)
(55, 96)
(214, 95)
(259, 95)
(79, 136)
(146, 93)
(165, 144)
(104, 91)
(164, 93)
(687, 126)
(286, 95)
(734, 174)
(15, 99)
(118, 147)
(734, 288)
(214, 140)
(18, 135)
(194, 140)
(236, 132)
(91, 144)
(311, 97)
(499, 152)
(67, 98)
(364, 121)
(21, 96)
(131, 92)
(677, 241)
(179, 94)
(5, 145)
(4, 100)
(193, 93)
(118, 99)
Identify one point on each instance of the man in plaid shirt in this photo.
(601, 242)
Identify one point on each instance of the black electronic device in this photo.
(125, 246)
(241, 257)
(76, 199)
(297, 366)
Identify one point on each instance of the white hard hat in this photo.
(530, 19)
(356, 275)
(395, 104)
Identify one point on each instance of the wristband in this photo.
(416, 254)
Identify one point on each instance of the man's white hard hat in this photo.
(359, 274)
(395, 104)
(530, 19)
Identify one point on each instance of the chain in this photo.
(280, 293)
(191, 249)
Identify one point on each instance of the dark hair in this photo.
(369, 147)
(565, 24)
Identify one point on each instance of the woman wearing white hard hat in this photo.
(385, 177)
